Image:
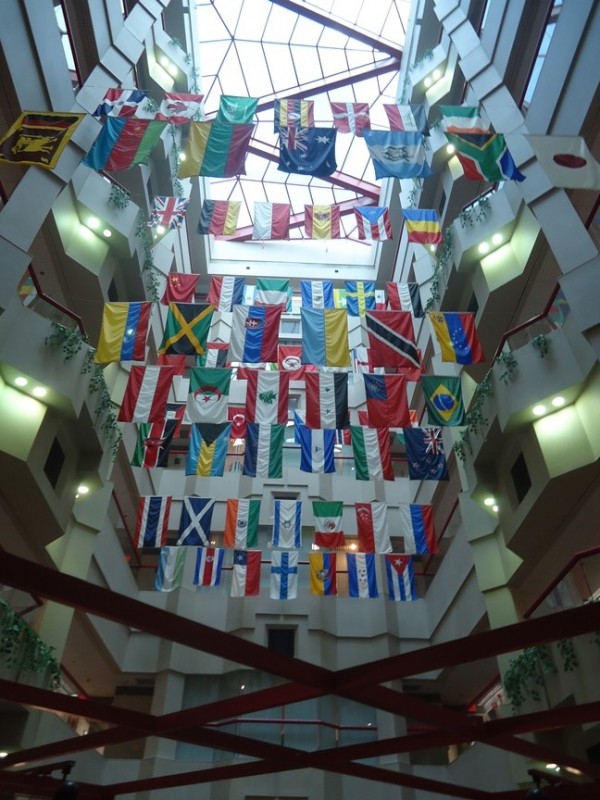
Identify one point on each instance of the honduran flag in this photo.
(373, 528)
(209, 566)
(123, 103)
(422, 225)
(456, 335)
(255, 333)
(373, 223)
(263, 457)
(293, 113)
(362, 581)
(241, 523)
(387, 403)
(360, 297)
(152, 521)
(219, 217)
(316, 294)
(316, 447)
(123, 333)
(216, 150)
(400, 578)
(245, 578)
(179, 107)
(271, 221)
(322, 221)
(417, 528)
(124, 142)
(225, 292)
(372, 453)
(267, 397)
(169, 573)
(146, 394)
(323, 573)
(284, 575)
(180, 288)
(287, 524)
(273, 292)
(351, 117)
(325, 337)
(405, 297)
(195, 521)
(409, 117)
(328, 523)
(208, 449)
(327, 400)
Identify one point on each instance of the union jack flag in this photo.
(294, 138)
(168, 212)
(432, 439)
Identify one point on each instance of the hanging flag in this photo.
(422, 225)
(245, 578)
(195, 521)
(169, 573)
(264, 451)
(293, 113)
(443, 397)
(243, 372)
(457, 336)
(241, 523)
(255, 333)
(273, 292)
(289, 359)
(351, 117)
(287, 524)
(180, 288)
(153, 443)
(339, 298)
(325, 337)
(219, 217)
(322, 222)
(208, 394)
(236, 110)
(237, 418)
(307, 151)
(178, 363)
(316, 447)
(372, 453)
(267, 397)
(168, 212)
(392, 339)
(411, 117)
(362, 581)
(567, 161)
(284, 575)
(405, 297)
(373, 223)
(417, 528)
(186, 329)
(387, 404)
(123, 103)
(209, 566)
(400, 578)
(175, 411)
(360, 297)
(152, 521)
(328, 523)
(373, 529)
(180, 107)
(271, 220)
(398, 154)
(425, 454)
(361, 361)
(462, 118)
(380, 300)
(327, 400)
(316, 294)
(146, 394)
(208, 449)
(343, 437)
(323, 573)
(225, 292)
(215, 355)
(38, 138)
(216, 150)
(484, 157)
(124, 142)
(123, 332)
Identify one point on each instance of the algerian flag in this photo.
(209, 394)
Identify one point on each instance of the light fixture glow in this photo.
(353, 546)
(182, 156)
(3, 754)
(551, 766)
(172, 70)
(427, 82)
(39, 391)
(497, 238)
(432, 248)
(450, 149)
(106, 232)
(93, 223)
(539, 410)
(243, 686)
(484, 248)
(20, 381)
(160, 229)
(83, 489)
(489, 501)
(164, 61)
(495, 509)
(437, 74)
(557, 402)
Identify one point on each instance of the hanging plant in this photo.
(174, 42)
(541, 344)
(175, 159)
(478, 212)
(69, 340)
(22, 649)
(427, 55)
(444, 259)
(569, 657)
(195, 80)
(525, 675)
(151, 279)
(510, 364)
(110, 428)
(118, 197)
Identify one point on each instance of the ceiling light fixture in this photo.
(83, 489)
(164, 61)
(20, 381)
(489, 501)
(427, 82)
(484, 248)
(495, 509)
(497, 239)
(450, 149)
(93, 223)
(539, 410)
(557, 402)
(106, 232)
(40, 391)
(160, 230)
(437, 74)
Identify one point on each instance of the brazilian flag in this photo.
(443, 397)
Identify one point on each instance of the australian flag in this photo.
(307, 151)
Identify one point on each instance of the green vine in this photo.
(118, 197)
(22, 648)
(567, 652)
(525, 675)
(444, 258)
(110, 428)
(195, 81)
(174, 42)
(69, 340)
(152, 281)
(478, 212)
(427, 55)
(175, 159)
(510, 364)
(541, 344)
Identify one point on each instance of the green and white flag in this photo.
(209, 394)
(462, 118)
(170, 569)
(443, 397)
(372, 453)
(263, 457)
(328, 523)
(273, 292)
(236, 110)
(241, 523)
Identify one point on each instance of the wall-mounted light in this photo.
(160, 229)
(83, 489)
(20, 381)
(450, 149)
(558, 402)
(39, 391)
(539, 410)
(107, 233)
(489, 501)
(497, 239)
(93, 223)
(484, 248)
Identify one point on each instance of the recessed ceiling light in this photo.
(106, 232)
(539, 410)
(39, 391)
(497, 238)
(484, 248)
(20, 381)
(432, 248)
(160, 229)
(489, 501)
(3, 754)
(353, 546)
(83, 489)
(450, 149)
(93, 223)
(495, 509)
(172, 70)
(557, 402)
(437, 74)
(427, 82)
(551, 766)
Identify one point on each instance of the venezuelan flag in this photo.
(457, 336)
(323, 574)
(423, 225)
(325, 337)
(123, 332)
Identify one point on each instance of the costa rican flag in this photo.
(209, 565)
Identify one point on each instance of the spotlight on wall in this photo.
(107, 233)
(484, 248)
(93, 223)
(20, 381)
(83, 489)
(489, 501)
(557, 402)
(39, 391)
(539, 410)
(450, 149)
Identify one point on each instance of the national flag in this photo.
(241, 523)
(124, 142)
(398, 154)
(457, 336)
(254, 334)
(287, 524)
(360, 297)
(284, 575)
(195, 521)
(363, 419)
(339, 298)
(264, 451)
(216, 150)
(484, 157)
(322, 222)
(316, 294)
(342, 437)
(180, 288)
(422, 225)
(443, 397)
(307, 151)
(123, 332)
(208, 394)
(362, 581)
(124, 103)
(153, 443)
(180, 107)
(152, 522)
(351, 117)
(38, 138)
(146, 394)
(325, 337)
(316, 447)
(209, 566)
(208, 449)
(373, 528)
(243, 372)
(215, 355)
(271, 220)
(567, 161)
(236, 110)
(380, 300)
(462, 118)
(329, 531)
(417, 528)
(373, 223)
(267, 397)
(178, 363)
(425, 454)
(169, 573)
(387, 403)
(186, 329)
(168, 212)
(361, 361)
(327, 400)
(245, 578)
(273, 292)
(237, 418)
(372, 453)
(219, 217)
(405, 297)
(392, 339)
(323, 573)
(408, 117)
(225, 292)
(293, 113)
(289, 359)
(400, 578)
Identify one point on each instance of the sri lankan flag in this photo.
(38, 138)
(208, 449)
(187, 329)
(443, 397)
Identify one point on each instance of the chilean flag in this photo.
(245, 581)
(387, 404)
(146, 395)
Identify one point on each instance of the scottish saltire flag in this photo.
(485, 157)
(405, 297)
(372, 453)
(254, 334)
(567, 161)
(241, 523)
(307, 151)
(425, 454)
(387, 404)
(195, 521)
(322, 222)
(225, 292)
(169, 573)
(289, 359)
(146, 394)
(153, 443)
(209, 566)
(287, 524)
(207, 449)
(373, 223)
(398, 154)
(284, 575)
(316, 294)
(456, 335)
(316, 447)
(263, 457)
(208, 394)
(271, 221)
(245, 577)
(325, 337)
(408, 117)
(50, 131)
(168, 212)
(216, 150)
(417, 528)
(327, 400)
(293, 113)
(443, 397)
(373, 528)
(329, 531)
(219, 217)
(422, 225)
(400, 578)
(186, 329)
(180, 107)
(462, 118)
(351, 117)
(267, 397)
(123, 332)
(392, 339)
(360, 297)
(323, 573)
(123, 103)
(180, 288)
(124, 142)
(236, 110)
(215, 355)
(362, 581)
(273, 292)
(152, 521)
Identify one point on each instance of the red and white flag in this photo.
(267, 397)
(236, 415)
(180, 288)
(168, 212)
(373, 223)
(326, 400)
(392, 339)
(179, 108)
(146, 394)
(351, 117)
(373, 529)
(245, 579)
(271, 221)
(209, 565)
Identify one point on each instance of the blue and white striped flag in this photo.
(287, 523)
(400, 578)
(362, 581)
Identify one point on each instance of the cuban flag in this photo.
(400, 578)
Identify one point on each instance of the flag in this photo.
(293, 113)
(567, 161)
(484, 157)
(325, 337)
(216, 150)
(380, 300)
(209, 566)
(362, 581)
(219, 217)
(316, 294)
(175, 412)
(284, 575)
(443, 397)
(273, 292)
(153, 443)
(180, 288)
(38, 138)
(328, 523)
(208, 394)
(169, 572)
(124, 142)
(411, 117)
(398, 154)
(316, 447)
(417, 528)
(422, 225)
(123, 332)
(322, 222)
(238, 422)
(208, 449)
(271, 221)
(264, 450)
(241, 523)
(215, 355)
(373, 223)
(387, 404)
(405, 297)
(392, 339)
(287, 524)
(187, 328)
(245, 578)
(343, 437)
(360, 297)
(146, 394)
(462, 118)
(168, 212)
(372, 453)
(179, 107)
(327, 400)
(267, 397)
(195, 521)
(323, 573)
(457, 336)
(123, 103)
(307, 151)
(351, 117)
(236, 110)
(400, 578)
(373, 529)
(289, 359)
(225, 292)
(254, 334)
(339, 298)
(152, 521)
(178, 363)
(425, 454)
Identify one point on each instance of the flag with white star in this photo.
(310, 152)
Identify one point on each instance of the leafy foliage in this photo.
(143, 232)
(541, 344)
(69, 340)
(478, 212)
(118, 198)
(525, 674)
(22, 648)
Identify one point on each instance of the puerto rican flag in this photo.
(373, 223)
